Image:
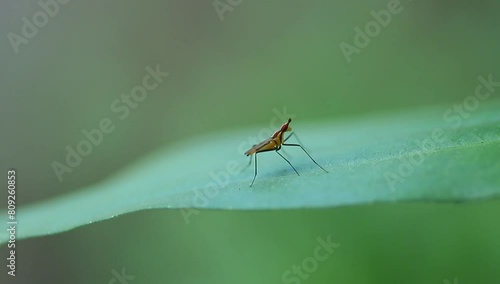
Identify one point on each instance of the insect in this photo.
(274, 143)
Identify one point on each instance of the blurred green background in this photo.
(224, 73)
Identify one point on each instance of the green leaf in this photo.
(378, 158)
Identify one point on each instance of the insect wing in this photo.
(264, 145)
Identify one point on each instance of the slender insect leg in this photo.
(248, 165)
(288, 162)
(298, 145)
(282, 150)
(255, 172)
(296, 137)
(289, 136)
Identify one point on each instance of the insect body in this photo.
(274, 143)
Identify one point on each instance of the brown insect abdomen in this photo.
(250, 152)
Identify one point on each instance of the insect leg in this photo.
(292, 134)
(298, 145)
(255, 172)
(296, 137)
(288, 162)
(248, 165)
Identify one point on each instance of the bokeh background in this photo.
(227, 71)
